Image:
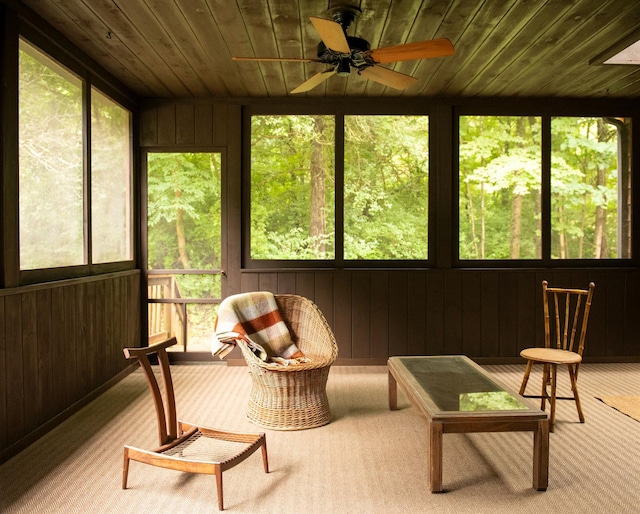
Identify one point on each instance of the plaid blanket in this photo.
(255, 319)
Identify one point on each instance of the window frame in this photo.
(546, 114)
(89, 80)
(356, 108)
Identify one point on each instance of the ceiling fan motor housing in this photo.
(360, 50)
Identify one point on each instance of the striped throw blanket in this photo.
(255, 319)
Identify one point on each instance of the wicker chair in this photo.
(294, 397)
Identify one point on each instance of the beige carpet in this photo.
(369, 460)
(629, 405)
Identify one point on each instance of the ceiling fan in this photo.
(345, 52)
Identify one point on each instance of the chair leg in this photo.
(525, 378)
(573, 375)
(125, 468)
(265, 459)
(219, 487)
(552, 402)
(545, 381)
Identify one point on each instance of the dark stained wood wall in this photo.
(59, 344)
(488, 314)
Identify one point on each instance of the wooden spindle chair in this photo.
(184, 446)
(570, 309)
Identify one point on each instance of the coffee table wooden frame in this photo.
(450, 422)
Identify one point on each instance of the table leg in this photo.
(435, 456)
(541, 456)
(393, 392)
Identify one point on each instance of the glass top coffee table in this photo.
(457, 396)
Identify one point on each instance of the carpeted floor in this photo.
(368, 460)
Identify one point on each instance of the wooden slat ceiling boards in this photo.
(504, 48)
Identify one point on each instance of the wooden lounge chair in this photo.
(184, 446)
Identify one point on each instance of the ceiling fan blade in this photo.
(388, 77)
(332, 34)
(314, 81)
(274, 59)
(419, 50)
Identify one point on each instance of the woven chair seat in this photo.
(294, 397)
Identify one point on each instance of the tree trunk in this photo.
(600, 236)
(317, 224)
(182, 241)
(516, 220)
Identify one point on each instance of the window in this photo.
(500, 182)
(292, 187)
(509, 206)
(184, 233)
(386, 187)
(110, 180)
(51, 163)
(590, 179)
(382, 214)
(57, 225)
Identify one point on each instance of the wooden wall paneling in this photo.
(490, 345)
(416, 313)
(380, 335)
(98, 340)
(528, 293)
(268, 282)
(435, 326)
(361, 314)
(31, 397)
(305, 286)
(116, 325)
(185, 124)
(399, 293)
(605, 332)
(342, 313)
(91, 347)
(45, 352)
(286, 283)
(223, 115)
(472, 313)
(82, 373)
(166, 124)
(248, 282)
(453, 313)
(204, 123)
(509, 311)
(14, 368)
(631, 304)
(59, 362)
(71, 338)
(4, 365)
(149, 125)
(324, 295)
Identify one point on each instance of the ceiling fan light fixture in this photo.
(343, 68)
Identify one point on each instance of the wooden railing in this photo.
(166, 318)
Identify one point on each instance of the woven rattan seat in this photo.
(294, 397)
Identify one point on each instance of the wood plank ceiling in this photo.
(504, 48)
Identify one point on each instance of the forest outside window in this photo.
(292, 187)
(502, 212)
(51, 163)
(590, 188)
(61, 223)
(384, 188)
(500, 187)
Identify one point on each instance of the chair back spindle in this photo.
(165, 408)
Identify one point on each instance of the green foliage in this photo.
(184, 197)
(281, 186)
